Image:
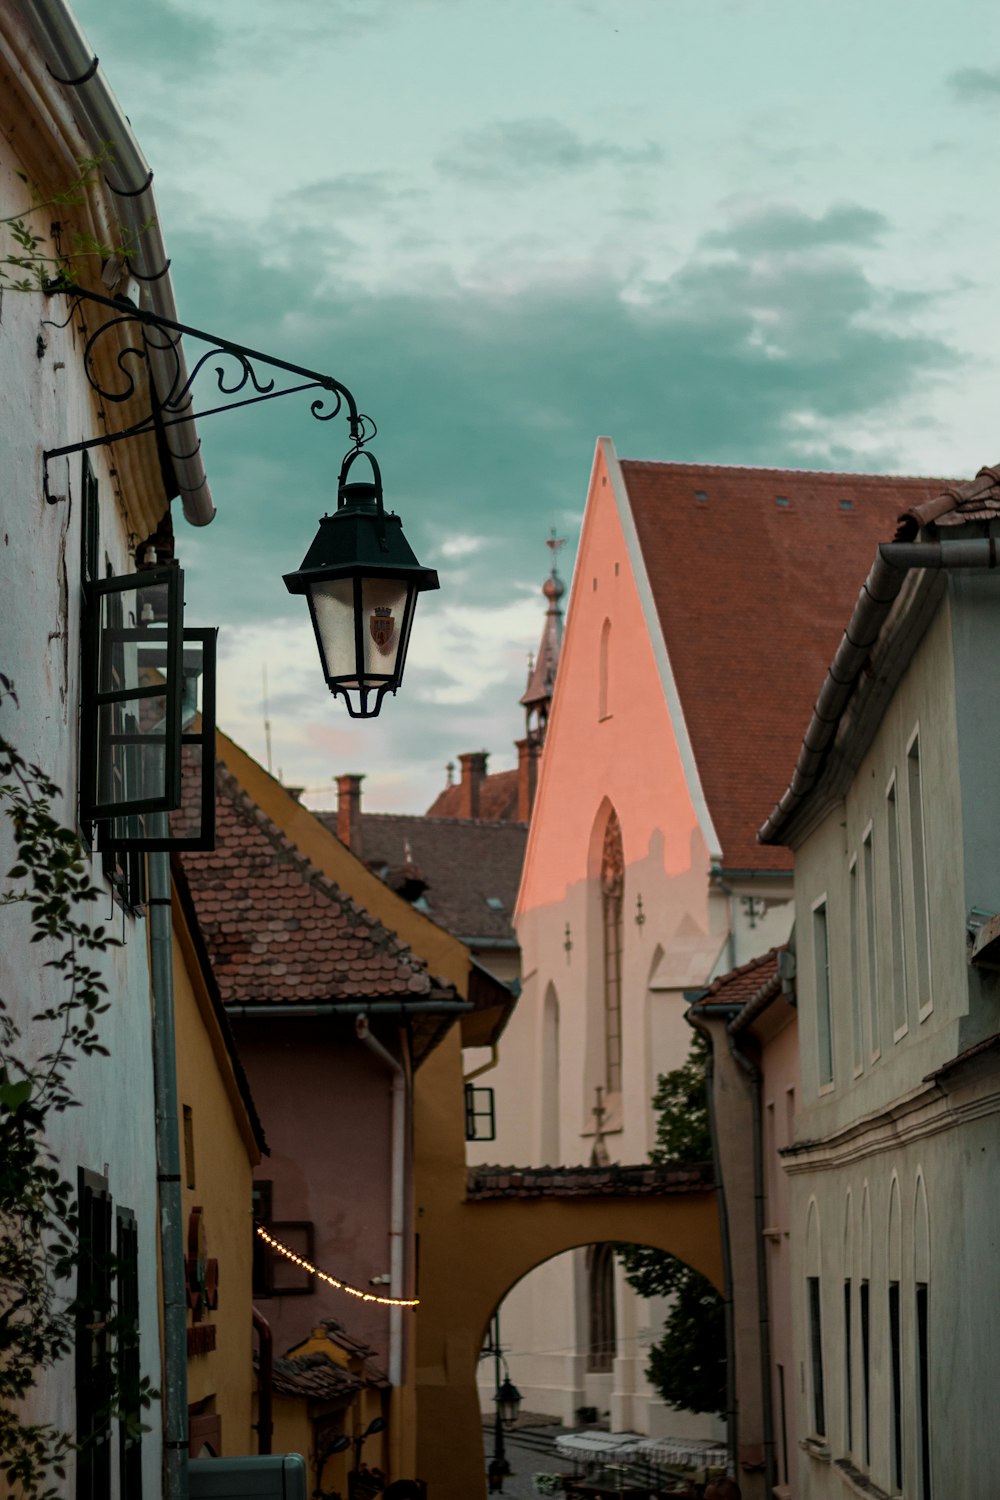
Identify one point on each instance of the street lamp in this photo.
(360, 576)
(508, 1404)
(361, 580)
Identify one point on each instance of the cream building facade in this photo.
(893, 1198)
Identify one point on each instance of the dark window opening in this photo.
(129, 1371)
(274, 1275)
(816, 1357)
(866, 1348)
(923, 1392)
(91, 1346)
(848, 1383)
(189, 1176)
(601, 1297)
(897, 1386)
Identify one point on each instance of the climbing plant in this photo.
(687, 1364)
(29, 260)
(41, 1311)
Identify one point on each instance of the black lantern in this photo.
(361, 579)
(508, 1400)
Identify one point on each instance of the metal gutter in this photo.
(72, 63)
(878, 594)
(395, 1009)
(168, 1172)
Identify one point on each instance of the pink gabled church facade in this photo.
(693, 640)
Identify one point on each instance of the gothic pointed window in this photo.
(612, 890)
(601, 1298)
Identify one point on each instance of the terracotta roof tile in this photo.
(461, 867)
(497, 799)
(976, 500)
(277, 930)
(752, 584)
(742, 984)
(486, 1183)
(314, 1377)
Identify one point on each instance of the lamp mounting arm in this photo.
(153, 343)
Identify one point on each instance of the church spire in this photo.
(537, 696)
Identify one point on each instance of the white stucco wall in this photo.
(44, 404)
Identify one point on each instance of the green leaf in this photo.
(13, 1095)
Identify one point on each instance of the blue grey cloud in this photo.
(537, 147)
(783, 228)
(976, 85)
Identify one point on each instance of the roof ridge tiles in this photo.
(731, 976)
(706, 468)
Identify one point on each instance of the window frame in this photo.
(820, 910)
(922, 946)
(897, 913)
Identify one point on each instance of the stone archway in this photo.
(507, 1223)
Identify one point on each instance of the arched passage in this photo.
(508, 1224)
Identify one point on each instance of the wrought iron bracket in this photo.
(171, 392)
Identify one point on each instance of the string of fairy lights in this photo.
(340, 1286)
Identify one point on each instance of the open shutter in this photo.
(132, 695)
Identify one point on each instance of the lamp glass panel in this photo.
(332, 607)
(384, 616)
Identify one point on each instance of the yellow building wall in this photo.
(224, 1155)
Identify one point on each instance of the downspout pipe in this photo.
(168, 1173)
(397, 1194)
(732, 1411)
(763, 1304)
(100, 118)
(893, 560)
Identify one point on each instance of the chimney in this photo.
(349, 812)
(473, 765)
(527, 776)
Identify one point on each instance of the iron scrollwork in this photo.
(171, 387)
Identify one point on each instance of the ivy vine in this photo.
(26, 262)
(41, 1313)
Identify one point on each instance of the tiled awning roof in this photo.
(588, 1182)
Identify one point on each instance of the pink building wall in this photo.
(326, 1101)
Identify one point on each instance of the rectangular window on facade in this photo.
(784, 1424)
(848, 1374)
(188, 1116)
(824, 1031)
(816, 1357)
(896, 913)
(896, 1358)
(918, 868)
(871, 944)
(127, 1356)
(92, 1354)
(864, 1309)
(262, 1214)
(480, 1114)
(857, 1036)
(923, 1392)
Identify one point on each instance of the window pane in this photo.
(856, 1029)
(896, 913)
(918, 867)
(824, 1034)
(871, 948)
(816, 1357)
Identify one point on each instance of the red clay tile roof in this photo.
(752, 584)
(976, 500)
(497, 799)
(741, 985)
(277, 930)
(313, 1377)
(486, 1183)
(462, 863)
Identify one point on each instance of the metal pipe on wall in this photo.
(168, 1174)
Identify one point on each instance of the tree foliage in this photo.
(39, 1228)
(687, 1365)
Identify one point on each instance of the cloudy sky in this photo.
(737, 231)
